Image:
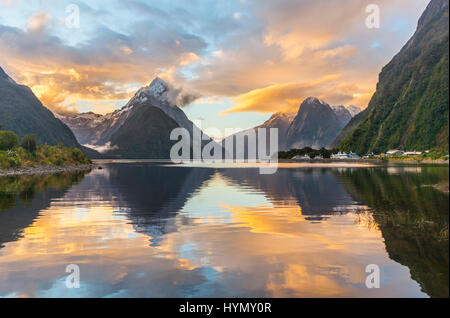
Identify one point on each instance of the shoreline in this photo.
(43, 170)
(309, 161)
(369, 161)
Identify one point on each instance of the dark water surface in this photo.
(154, 230)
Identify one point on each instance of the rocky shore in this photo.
(41, 170)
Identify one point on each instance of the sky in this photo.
(236, 61)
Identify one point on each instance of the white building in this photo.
(306, 157)
(339, 155)
(394, 152)
(412, 153)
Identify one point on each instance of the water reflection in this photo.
(148, 194)
(411, 210)
(22, 198)
(146, 230)
(315, 191)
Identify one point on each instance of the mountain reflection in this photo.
(149, 195)
(411, 208)
(21, 199)
(152, 230)
(317, 191)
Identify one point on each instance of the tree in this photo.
(8, 140)
(29, 143)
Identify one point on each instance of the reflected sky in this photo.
(145, 230)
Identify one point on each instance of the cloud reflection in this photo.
(224, 237)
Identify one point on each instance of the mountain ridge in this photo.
(23, 113)
(340, 116)
(316, 125)
(150, 106)
(409, 109)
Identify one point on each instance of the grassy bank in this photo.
(44, 155)
(432, 155)
(28, 154)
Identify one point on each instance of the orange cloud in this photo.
(268, 59)
(287, 97)
(38, 21)
(107, 68)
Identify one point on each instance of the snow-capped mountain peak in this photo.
(354, 110)
(158, 86)
(98, 130)
(338, 108)
(314, 101)
(157, 89)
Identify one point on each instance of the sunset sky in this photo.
(241, 60)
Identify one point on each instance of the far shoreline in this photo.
(308, 161)
(44, 170)
(368, 161)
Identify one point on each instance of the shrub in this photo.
(43, 155)
(29, 143)
(8, 140)
(9, 159)
(14, 159)
(4, 163)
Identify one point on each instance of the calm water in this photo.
(152, 230)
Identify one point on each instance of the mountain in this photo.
(354, 110)
(23, 113)
(343, 114)
(86, 126)
(409, 109)
(316, 125)
(280, 120)
(144, 135)
(140, 129)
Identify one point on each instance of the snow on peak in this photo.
(157, 88)
(339, 108)
(314, 100)
(354, 110)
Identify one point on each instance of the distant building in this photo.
(412, 153)
(319, 157)
(305, 157)
(352, 155)
(394, 152)
(339, 155)
(343, 155)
